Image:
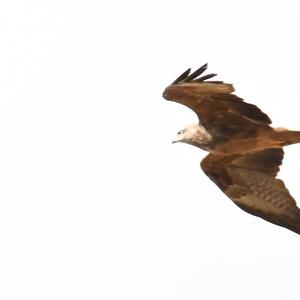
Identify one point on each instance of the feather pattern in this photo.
(249, 180)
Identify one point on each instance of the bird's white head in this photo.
(195, 135)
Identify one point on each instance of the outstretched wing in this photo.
(213, 101)
(249, 181)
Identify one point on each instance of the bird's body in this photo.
(245, 152)
(256, 139)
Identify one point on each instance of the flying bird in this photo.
(245, 152)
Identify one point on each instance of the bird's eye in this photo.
(180, 132)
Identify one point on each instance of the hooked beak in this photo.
(176, 140)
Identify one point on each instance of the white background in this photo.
(95, 202)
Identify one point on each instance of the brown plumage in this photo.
(245, 152)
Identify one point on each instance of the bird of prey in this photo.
(245, 152)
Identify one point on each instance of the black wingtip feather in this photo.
(206, 77)
(215, 81)
(193, 77)
(182, 76)
(196, 73)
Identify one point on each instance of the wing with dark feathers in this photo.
(213, 101)
(249, 181)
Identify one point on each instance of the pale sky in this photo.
(95, 202)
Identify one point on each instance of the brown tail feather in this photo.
(286, 137)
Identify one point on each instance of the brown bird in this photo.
(245, 152)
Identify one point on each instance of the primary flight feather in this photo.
(245, 152)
